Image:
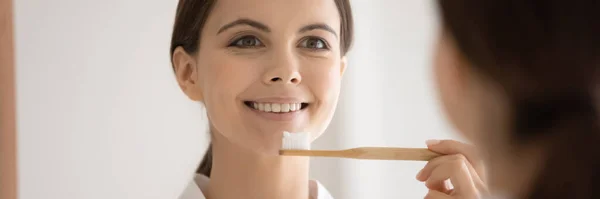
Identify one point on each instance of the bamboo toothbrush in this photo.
(298, 144)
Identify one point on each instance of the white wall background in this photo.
(100, 115)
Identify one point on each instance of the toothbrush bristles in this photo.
(295, 141)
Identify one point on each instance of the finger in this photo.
(433, 194)
(455, 147)
(450, 147)
(425, 173)
(474, 174)
(477, 179)
(458, 173)
(440, 177)
(432, 164)
(442, 186)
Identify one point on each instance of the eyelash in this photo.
(323, 44)
(256, 43)
(239, 42)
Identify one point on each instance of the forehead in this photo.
(277, 14)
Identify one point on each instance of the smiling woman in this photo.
(260, 67)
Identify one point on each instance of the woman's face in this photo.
(268, 66)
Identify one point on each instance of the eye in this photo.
(246, 42)
(314, 43)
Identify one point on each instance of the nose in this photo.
(283, 70)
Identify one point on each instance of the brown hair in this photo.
(189, 21)
(544, 54)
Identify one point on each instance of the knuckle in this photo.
(459, 165)
(459, 157)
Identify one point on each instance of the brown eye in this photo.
(314, 43)
(246, 42)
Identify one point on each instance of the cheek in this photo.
(326, 84)
(443, 81)
(323, 78)
(222, 81)
(324, 81)
(441, 76)
(449, 90)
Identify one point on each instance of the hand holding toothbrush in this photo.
(461, 165)
(298, 144)
(448, 160)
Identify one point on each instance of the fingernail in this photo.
(432, 142)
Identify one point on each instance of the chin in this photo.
(261, 145)
(267, 152)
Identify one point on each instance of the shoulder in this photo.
(194, 188)
(318, 191)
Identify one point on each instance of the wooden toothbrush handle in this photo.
(314, 153)
(369, 153)
(389, 153)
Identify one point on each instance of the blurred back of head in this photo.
(542, 57)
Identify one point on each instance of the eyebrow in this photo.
(320, 26)
(265, 28)
(248, 22)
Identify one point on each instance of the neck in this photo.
(240, 173)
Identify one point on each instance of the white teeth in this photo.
(285, 108)
(294, 107)
(276, 108)
(261, 107)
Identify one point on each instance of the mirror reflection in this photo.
(322, 99)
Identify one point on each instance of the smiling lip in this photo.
(277, 109)
(281, 117)
(281, 100)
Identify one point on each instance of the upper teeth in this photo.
(276, 108)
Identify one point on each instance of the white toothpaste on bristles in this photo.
(295, 141)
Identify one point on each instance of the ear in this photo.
(343, 64)
(186, 72)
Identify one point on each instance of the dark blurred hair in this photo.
(544, 54)
(190, 19)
